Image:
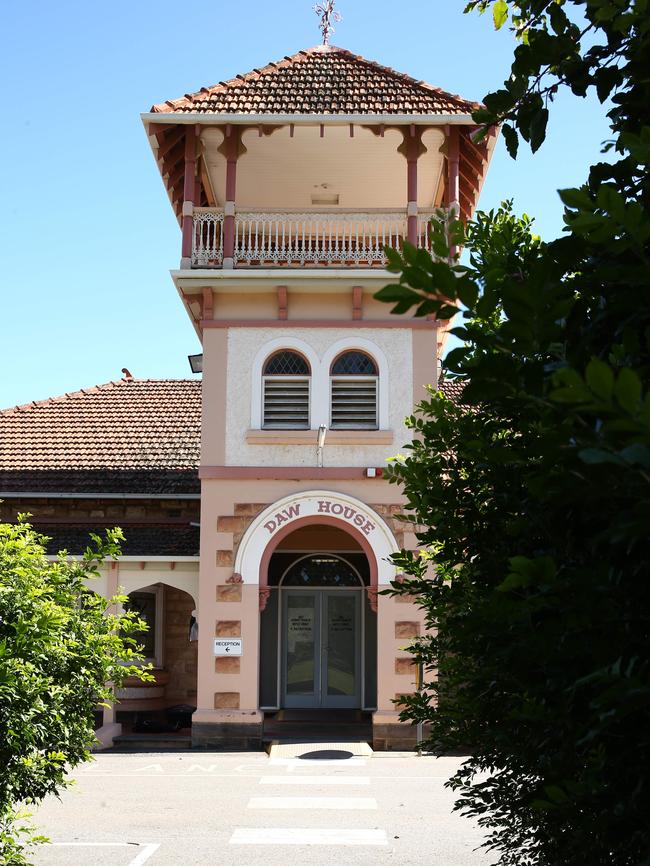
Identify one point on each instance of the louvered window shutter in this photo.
(354, 393)
(285, 392)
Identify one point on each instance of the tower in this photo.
(288, 182)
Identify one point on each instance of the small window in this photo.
(354, 379)
(285, 392)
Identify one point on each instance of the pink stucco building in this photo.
(287, 182)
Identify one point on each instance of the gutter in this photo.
(144, 558)
(207, 119)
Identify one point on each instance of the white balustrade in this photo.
(285, 239)
(207, 239)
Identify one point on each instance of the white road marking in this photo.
(144, 855)
(347, 803)
(305, 836)
(315, 780)
(147, 849)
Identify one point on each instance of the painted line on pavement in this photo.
(147, 848)
(347, 803)
(307, 836)
(315, 780)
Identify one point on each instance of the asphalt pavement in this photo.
(222, 809)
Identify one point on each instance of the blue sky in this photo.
(87, 235)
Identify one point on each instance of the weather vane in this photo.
(328, 17)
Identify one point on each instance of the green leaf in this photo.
(637, 453)
(397, 292)
(576, 198)
(511, 139)
(597, 455)
(556, 794)
(513, 581)
(600, 378)
(499, 14)
(467, 293)
(537, 130)
(628, 390)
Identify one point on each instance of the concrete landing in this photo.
(310, 751)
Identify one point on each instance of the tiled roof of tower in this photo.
(133, 435)
(320, 80)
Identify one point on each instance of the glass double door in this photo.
(321, 648)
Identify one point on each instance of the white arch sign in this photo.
(347, 510)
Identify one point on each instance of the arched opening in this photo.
(164, 706)
(318, 623)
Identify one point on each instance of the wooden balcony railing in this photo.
(290, 239)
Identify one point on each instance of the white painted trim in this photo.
(305, 276)
(157, 559)
(256, 538)
(263, 353)
(372, 349)
(306, 119)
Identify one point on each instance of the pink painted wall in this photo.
(220, 496)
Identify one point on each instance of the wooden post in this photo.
(188, 196)
(453, 173)
(112, 582)
(232, 153)
(453, 177)
(412, 153)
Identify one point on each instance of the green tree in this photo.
(534, 492)
(59, 647)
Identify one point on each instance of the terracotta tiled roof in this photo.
(452, 389)
(133, 435)
(321, 80)
(129, 436)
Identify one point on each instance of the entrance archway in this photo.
(314, 508)
(318, 623)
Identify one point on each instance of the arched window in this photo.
(285, 391)
(354, 382)
(321, 569)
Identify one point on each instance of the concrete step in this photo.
(151, 743)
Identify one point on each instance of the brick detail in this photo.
(225, 558)
(227, 665)
(226, 700)
(407, 629)
(405, 666)
(405, 599)
(229, 592)
(230, 524)
(249, 509)
(228, 628)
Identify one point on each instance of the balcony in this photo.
(286, 239)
